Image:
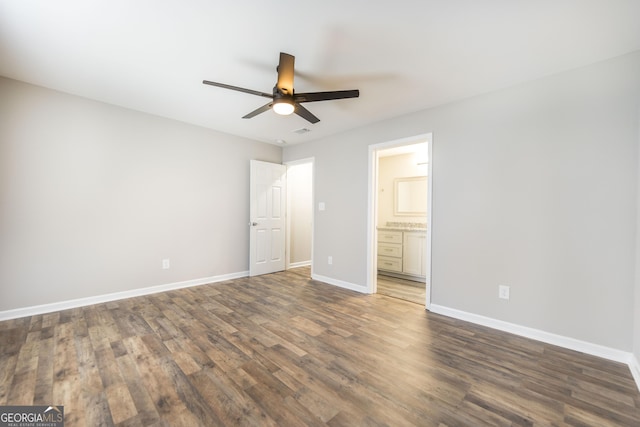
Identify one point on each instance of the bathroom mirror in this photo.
(410, 196)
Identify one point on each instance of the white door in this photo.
(267, 218)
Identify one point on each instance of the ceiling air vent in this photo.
(302, 131)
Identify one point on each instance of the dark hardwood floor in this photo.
(283, 350)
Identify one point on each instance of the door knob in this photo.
(254, 224)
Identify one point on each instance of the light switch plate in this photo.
(503, 292)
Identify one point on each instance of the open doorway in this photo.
(399, 219)
(299, 245)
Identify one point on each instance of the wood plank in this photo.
(44, 382)
(146, 413)
(120, 402)
(231, 404)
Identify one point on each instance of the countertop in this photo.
(408, 228)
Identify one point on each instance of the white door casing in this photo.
(267, 217)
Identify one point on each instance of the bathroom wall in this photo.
(390, 168)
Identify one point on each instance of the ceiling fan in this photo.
(284, 100)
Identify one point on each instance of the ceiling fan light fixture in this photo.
(283, 107)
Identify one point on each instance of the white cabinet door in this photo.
(413, 253)
(267, 216)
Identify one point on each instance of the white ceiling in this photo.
(403, 56)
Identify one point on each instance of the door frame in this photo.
(372, 216)
(306, 160)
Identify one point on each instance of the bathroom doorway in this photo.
(399, 219)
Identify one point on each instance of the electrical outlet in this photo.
(330, 260)
(166, 264)
(503, 292)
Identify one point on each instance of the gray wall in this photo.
(340, 182)
(93, 197)
(533, 186)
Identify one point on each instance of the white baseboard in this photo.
(81, 302)
(536, 334)
(300, 264)
(546, 337)
(339, 283)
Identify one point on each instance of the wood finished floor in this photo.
(407, 290)
(282, 350)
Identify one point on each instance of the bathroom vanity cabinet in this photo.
(402, 252)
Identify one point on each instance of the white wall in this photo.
(93, 197)
(390, 168)
(300, 210)
(533, 186)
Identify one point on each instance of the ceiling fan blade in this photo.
(260, 110)
(285, 73)
(305, 114)
(326, 96)
(239, 89)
